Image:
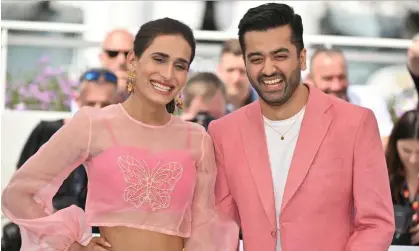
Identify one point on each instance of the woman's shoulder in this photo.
(192, 127)
(98, 114)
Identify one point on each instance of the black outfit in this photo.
(402, 205)
(73, 191)
(404, 211)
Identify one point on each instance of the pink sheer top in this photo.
(158, 178)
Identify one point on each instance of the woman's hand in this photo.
(415, 234)
(95, 244)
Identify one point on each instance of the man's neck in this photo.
(238, 102)
(297, 101)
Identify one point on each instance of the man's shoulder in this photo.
(346, 110)
(50, 125)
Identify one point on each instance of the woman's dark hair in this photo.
(165, 26)
(272, 15)
(406, 128)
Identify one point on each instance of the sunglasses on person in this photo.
(94, 75)
(115, 53)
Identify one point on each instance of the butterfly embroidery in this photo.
(149, 186)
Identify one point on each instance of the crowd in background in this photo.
(211, 95)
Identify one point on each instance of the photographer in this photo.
(204, 98)
(403, 163)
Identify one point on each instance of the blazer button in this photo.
(273, 233)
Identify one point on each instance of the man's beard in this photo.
(290, 85)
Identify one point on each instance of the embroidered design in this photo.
(149, 186)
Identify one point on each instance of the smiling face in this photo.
(408, 150)
(273, 64)
(162, 69)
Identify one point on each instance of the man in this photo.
(98, 88)
(113, 56)
(204, 98)
(301, 170)
(329, 73)
(232, 72)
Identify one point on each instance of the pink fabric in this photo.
(158, 178)
(337, 194)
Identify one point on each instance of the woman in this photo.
(403, 163)
(151, 174)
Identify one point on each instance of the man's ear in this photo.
(308, 80)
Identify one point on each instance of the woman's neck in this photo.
(142, 110)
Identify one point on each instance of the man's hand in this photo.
(413, 57)
(95, 244)
(195, 107)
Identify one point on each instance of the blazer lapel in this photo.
(254, 142)
(313, 130)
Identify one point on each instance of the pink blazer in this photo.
(337, 194)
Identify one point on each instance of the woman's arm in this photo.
(211, 230)
(27, 200)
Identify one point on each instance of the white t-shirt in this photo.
(280, 155)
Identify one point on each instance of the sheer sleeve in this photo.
(211, 230)
(27, 200)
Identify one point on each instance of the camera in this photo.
(203, 118)
(403, 221)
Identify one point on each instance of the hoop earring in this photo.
(131, 82)
(179, 101)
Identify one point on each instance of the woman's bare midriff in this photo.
(130, 239)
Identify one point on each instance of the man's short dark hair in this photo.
(232, 46)
(205, 84)
(269, 16)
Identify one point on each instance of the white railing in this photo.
(201, 36)
(219, 36)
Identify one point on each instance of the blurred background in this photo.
(47, 45)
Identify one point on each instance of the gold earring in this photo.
(131, 82)
(179, 101)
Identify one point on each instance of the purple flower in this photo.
(41, 96)
(58, 71)
(41, 80)
(8, 99)
(73, 83)
(67, 102)
(53, 95)
(23, 91)
(20, 107)
(65, 86)
(33, 88)
(48, 71)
